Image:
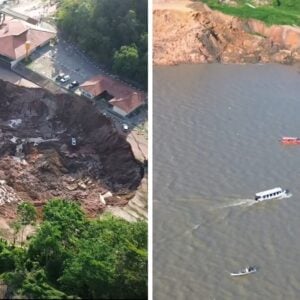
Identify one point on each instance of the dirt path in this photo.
(182, 5)
(179, 5)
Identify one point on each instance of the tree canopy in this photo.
(71, 257)
(110, 31)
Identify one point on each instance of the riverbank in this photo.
(189, 32)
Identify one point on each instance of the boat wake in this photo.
(250, 202)
(239, 202)
(286, 196)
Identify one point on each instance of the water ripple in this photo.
(216, 131)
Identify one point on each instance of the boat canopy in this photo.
(268, 192)
(290, 138)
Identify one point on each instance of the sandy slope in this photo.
(188, 32)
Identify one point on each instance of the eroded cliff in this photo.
(185, 32)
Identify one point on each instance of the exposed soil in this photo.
(39, 162)
(189, 32)
(137, 207)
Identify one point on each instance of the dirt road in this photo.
(179, 5)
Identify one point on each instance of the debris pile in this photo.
(39, 161)
(188, 32)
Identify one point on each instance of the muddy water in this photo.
(216, 131)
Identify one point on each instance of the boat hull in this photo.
(242, 273)
(290, 141)
(276, 193)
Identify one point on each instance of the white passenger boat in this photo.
(246, 271)
(275, 193)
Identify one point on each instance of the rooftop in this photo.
(14, 33)
(124, 97)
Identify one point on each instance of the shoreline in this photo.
(187, 33)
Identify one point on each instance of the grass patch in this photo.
(287, 13)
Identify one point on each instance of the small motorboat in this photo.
(290, 140)
(276, 193)
(246, 271)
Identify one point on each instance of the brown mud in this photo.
(38, 161)
(190, 32)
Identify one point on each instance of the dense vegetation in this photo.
(71, 257)
(277, 12)
(113, 32)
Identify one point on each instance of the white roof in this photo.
(267, 192)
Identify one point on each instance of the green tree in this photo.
(67, 216)
(71, 255)
(47, 248)
(63, 224)
(126, 61)
(7, 259)
(16, 226)
(36, 286)
(101, 27)
(111, 261)
(26, 213)
(26, 216)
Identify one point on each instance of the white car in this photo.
(59, 76)
(73, 141)
(125, 127)
(65, 78)
(73, 84)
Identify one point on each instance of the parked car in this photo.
(65, 79)
(125, 127)
(59, 76)
(73, 141)
(73, 84)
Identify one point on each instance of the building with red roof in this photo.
(16, 35)
(123, 99)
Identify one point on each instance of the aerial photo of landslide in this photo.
(38, 161)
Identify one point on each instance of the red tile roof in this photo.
(13, 35)
(130, 102)
(125, 97)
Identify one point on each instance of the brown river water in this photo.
(216, 143)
